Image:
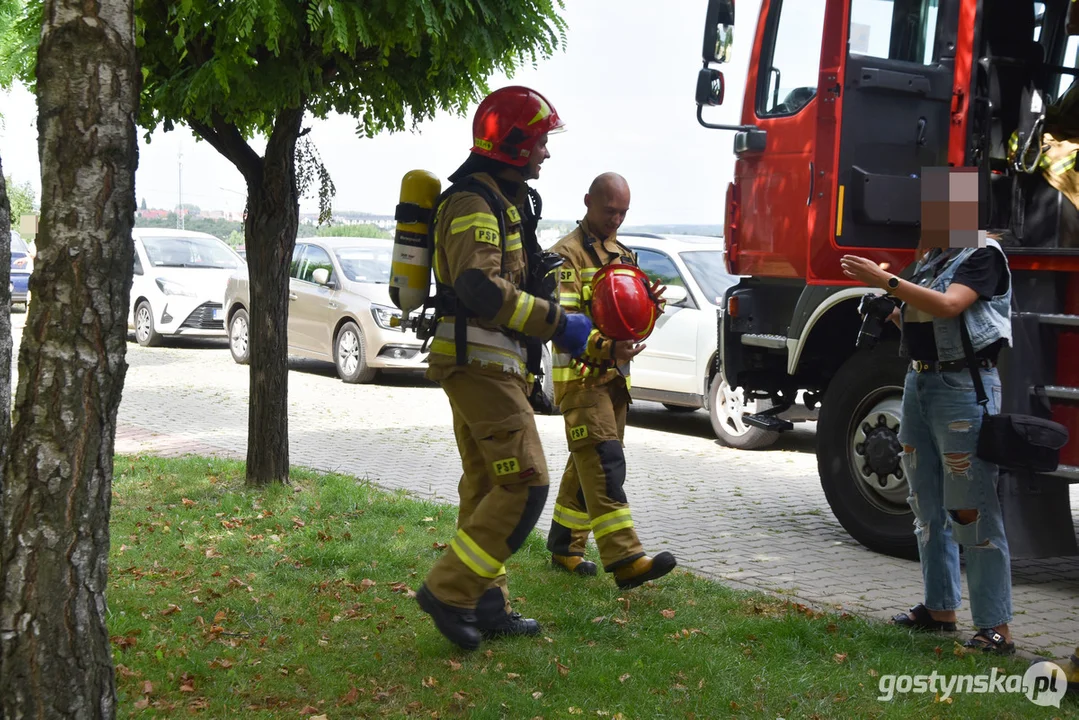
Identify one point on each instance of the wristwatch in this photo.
(893, 283)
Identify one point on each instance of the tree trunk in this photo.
(55, 659)
(5, 324)
(273, 211)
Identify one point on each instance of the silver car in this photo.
(339, 309)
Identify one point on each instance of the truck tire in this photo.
(724, 406)
(858, 452)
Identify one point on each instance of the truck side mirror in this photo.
(710, 87)
(718, 31)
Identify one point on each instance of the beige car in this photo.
(339, 309)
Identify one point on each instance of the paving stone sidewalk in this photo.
(750, 519)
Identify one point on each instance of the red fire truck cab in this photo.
(846, 101)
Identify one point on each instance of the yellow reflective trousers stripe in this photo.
(611, 522)
(572, 519)
(475, 557)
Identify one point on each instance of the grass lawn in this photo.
(296, 602)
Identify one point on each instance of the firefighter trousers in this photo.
(591, 496)
(503, 486)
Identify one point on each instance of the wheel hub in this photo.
(876, 452)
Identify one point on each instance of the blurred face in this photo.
(531, 170)
(607, 209)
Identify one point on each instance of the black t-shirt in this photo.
(984, 273)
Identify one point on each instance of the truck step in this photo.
(1067, 472)
(773, 342)
(767, 422)
(1062, 392)
(1053, 318)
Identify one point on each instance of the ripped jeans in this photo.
(939, 433)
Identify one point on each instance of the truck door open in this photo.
(895, 101)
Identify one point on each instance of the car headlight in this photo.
(383, 314)
(173, 288)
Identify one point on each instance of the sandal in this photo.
(990, 641)
(922, 620)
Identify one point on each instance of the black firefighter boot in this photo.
(493, 620)
(457, 625)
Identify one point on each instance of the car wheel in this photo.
(350, 355)
(726, 405)
(240, 337)
(679, 408)
(145, 334)
(858, 452)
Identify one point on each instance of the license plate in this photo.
(219, 313)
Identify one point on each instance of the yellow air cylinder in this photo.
(410, 270)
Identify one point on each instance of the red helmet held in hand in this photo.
(623, 307)
(508, 123)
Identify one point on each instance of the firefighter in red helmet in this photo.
(591, 497)
(491, 306)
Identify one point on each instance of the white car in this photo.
(679, 366)
(178, 287)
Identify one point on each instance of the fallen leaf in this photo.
(537, 695)
(309, 710)
(599, 619)
(147, 687)
(351, 696)
(512, 676)
(429, 682)
(832, 627)
(186, 502)
(428, 519)
(668, 613)
(623, 678)
(142, 704)
(562, 669)
(187, 683)
(366, 583)
(220, 616)
(298, 523)
(454, 665)
(839, 657)
(220, 663)
(319, 717)
(575, 710)
(171, 609)
(125, 671)
(439, 546)
(873, 673)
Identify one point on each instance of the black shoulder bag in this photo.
(1010, 440)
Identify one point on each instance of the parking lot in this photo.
(751, 519)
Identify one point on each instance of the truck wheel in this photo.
(858, 452)
(725, 408)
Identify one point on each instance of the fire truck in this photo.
(845, 103)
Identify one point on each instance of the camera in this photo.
(874, 310)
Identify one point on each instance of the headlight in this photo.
(382, 315)
(173, 288)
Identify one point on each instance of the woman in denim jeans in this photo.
(953, 493)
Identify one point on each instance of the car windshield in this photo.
(189, 252)
(710, 272)
(365, 264)
(18, 245)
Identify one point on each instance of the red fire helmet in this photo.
(622, 305)
(508, 123)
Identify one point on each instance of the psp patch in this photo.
(486, 235)
(579, 432)
(509, 466)
(567, 275)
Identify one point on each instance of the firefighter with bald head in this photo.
(591, 496)
(485, 265)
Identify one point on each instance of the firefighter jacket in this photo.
(584, 255)
(486, 273)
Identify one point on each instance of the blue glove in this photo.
(572, 334)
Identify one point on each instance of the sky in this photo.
(624, 86)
